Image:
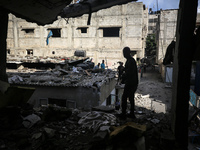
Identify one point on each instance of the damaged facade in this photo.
(110, 30)
(166, 31)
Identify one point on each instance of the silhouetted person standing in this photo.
(120, 70)
(131, 83)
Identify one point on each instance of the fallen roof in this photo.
(46, 11)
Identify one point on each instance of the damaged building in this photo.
(68, 127)
(109, 31)
(72, 89)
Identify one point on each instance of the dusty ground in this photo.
(153, 93)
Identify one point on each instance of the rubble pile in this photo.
(37, 59)
(153, 96)
(61, 77)
(56, 128)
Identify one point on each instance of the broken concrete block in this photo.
(15, 79)
(30, 120)
(105, 128)
(155, 121)
(158, 107)
(20, 67)
(50, 132)
(36, 135)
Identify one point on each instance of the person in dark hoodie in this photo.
(131, 84)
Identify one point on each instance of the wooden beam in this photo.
(84, 7)
(3, 44)
(182, 69)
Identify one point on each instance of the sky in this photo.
(162, 4)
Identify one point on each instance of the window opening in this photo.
(29, 51)
(111, 32)
(56, 32)
(53, 52)
(28, 31)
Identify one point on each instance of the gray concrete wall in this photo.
(78, 95)
(131, 19)
(83, 97)
(166, 31)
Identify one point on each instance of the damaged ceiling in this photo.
(46, 11)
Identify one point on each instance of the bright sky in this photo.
(162, 4)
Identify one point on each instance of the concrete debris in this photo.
(155, 121)
(30, 120)
(62, 77)
(36, 135)
(15, 79)
(145, 96)
(58, 129)
(50, 132)
(105, 128)
(20, 67)
(75, 69)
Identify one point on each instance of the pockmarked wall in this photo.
(166, 31)
(110, 30)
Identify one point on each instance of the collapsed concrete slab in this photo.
(69, 89)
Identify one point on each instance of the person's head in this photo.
(102, 61)
(98, 64)
(126, 52)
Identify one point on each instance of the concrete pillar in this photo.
(42, 41)
(182, 69)
(15, 32)
(3, 44)
(97, 40)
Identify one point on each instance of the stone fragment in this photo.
(155, 121)
(50, 132)
(36, 135)
(30, 120)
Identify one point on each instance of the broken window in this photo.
(111, 31)
(8, 51)
(83, 29)
(28, 31)
(56, 32)
(29, 52)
